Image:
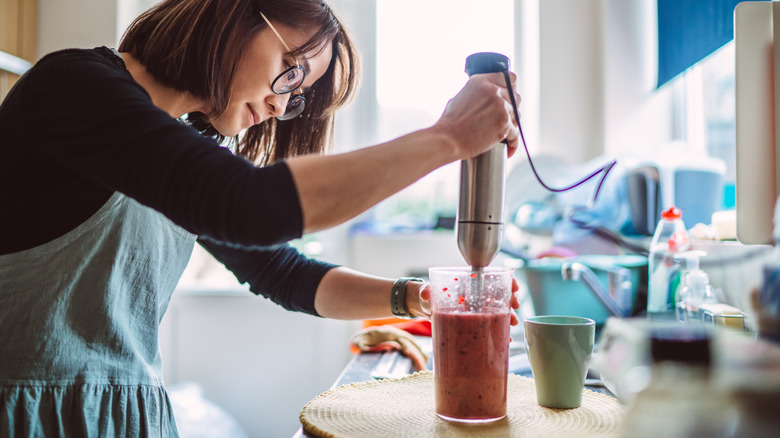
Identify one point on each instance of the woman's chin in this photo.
(227, 131)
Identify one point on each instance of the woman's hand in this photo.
(425, 302)
(481, 115)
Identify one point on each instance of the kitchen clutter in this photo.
(676, 175)
(572, 257)
(690, 379)
(712, 366)
(688, 318)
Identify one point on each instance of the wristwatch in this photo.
(398, 297)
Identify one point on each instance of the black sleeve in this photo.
(93, 119)
(281, 273)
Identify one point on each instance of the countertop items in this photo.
(405, 407)
(361, 367)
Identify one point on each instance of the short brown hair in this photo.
(194, 46)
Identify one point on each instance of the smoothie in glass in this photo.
(470, 317)
(471, 352)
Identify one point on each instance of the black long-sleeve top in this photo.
(77, 127)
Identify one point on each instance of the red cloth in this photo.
(416, 327)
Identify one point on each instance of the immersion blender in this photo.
(481, 206)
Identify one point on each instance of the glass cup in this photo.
(470, 313)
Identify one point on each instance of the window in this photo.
(421, 49)
(718, 92)
(710, 110)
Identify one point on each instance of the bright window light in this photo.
(422, 47)
(421, 54)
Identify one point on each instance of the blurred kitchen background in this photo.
(588, 76)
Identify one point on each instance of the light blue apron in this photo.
(79, 320)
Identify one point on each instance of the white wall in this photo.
(588, 69)
(66, 24)
(638, 117)
(571, 59)
(75, 23)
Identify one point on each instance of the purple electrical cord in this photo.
(601, 231)
(606, 168)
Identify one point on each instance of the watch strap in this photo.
(398, 297)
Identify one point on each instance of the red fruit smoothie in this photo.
(471, 357)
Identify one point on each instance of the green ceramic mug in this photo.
(559, 350)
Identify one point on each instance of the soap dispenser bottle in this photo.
(696, 289)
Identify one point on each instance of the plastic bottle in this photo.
(670, 238)
(696, 289)
(680, 399)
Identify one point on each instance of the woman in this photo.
(105, 193)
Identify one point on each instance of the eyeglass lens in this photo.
(295, 107)
(289, 80)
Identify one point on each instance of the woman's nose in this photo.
(278, 104)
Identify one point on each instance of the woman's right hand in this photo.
(481, 115)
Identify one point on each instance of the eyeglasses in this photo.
(289, 81)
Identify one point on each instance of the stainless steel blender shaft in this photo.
(481, 206)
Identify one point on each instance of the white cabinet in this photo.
(254, 359)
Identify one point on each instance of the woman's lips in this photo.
(254, 118)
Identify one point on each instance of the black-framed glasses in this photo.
(289, 81)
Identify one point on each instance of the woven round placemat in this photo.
(406, 408)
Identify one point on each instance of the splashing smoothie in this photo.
(471, 353)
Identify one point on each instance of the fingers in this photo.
(425, 300)
(511, 130)
(513, 137)
(514, 303)
(481, 115)
(425, 292)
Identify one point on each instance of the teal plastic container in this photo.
(552, 295)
